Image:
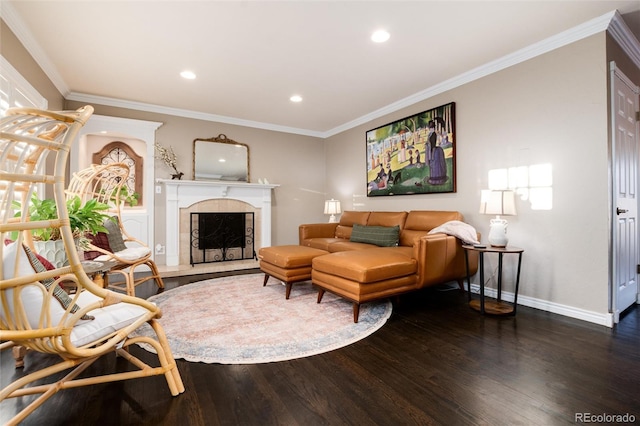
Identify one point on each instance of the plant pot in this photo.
(53, 251)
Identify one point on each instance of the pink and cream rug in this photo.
(235, 320)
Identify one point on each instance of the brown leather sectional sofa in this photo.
(363, 271)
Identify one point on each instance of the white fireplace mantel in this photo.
(184, 193)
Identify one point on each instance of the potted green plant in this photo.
(85, 219)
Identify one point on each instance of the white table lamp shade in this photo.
(501, 203)
(332, 207)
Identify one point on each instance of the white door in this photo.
(625, 185)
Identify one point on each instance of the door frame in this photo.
(615, 72)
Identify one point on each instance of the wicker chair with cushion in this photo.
(107, 183)
(34, 311)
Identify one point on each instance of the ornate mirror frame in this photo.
(220, 158)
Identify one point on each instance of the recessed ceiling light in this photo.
(189, 75)
(380, 36)
(296, 98)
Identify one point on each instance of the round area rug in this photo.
(235, 320)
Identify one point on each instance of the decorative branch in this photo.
(169, 158)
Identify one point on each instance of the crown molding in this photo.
(141, 106)
(17, 26)
(6, 69)
(625, 38)
(564, 38)
(611, 22)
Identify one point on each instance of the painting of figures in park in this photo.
(415, 155)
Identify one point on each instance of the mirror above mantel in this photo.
(220, 159)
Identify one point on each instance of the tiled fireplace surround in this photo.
(182, 197)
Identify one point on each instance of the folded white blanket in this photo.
(462, 231)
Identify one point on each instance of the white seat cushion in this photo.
(130, 254)
(107, 320)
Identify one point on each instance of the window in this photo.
(15, 91)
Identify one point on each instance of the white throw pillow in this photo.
(31, 295)
(106, 320)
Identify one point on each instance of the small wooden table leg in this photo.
(19, 353)
(98, 279)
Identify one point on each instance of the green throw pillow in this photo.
(383, 236)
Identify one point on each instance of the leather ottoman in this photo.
(289, 263)
(365, 275)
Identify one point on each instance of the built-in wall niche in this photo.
(121, 152)
(139, 135)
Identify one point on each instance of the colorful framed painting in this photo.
(415, 155)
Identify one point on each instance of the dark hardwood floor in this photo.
(436, 361)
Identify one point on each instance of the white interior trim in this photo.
(605, 319)
(17, 26)
(177, 112)
(21, 84)
(625, 38)
(611, 21)
(129, 128)
(184, 193)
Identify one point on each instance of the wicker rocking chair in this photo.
(34, 311)
(105, 183)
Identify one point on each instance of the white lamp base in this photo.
(498, 232)
(332, 218)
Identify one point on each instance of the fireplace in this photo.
(221, 237)
(183, 197)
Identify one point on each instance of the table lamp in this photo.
(332, 207)
(500, 203)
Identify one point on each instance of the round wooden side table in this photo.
(97, 271)
(498, 306)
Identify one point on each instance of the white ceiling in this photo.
(251, 56)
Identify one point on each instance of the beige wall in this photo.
(551, 109)
(294, 162)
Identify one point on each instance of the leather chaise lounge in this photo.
(373, 255)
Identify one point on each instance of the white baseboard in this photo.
(606, 320)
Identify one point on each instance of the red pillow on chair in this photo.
(99, 240)
(47, 265)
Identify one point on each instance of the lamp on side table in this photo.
(332, 207)
(500, 203)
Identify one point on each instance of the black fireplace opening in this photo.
(221, 236)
